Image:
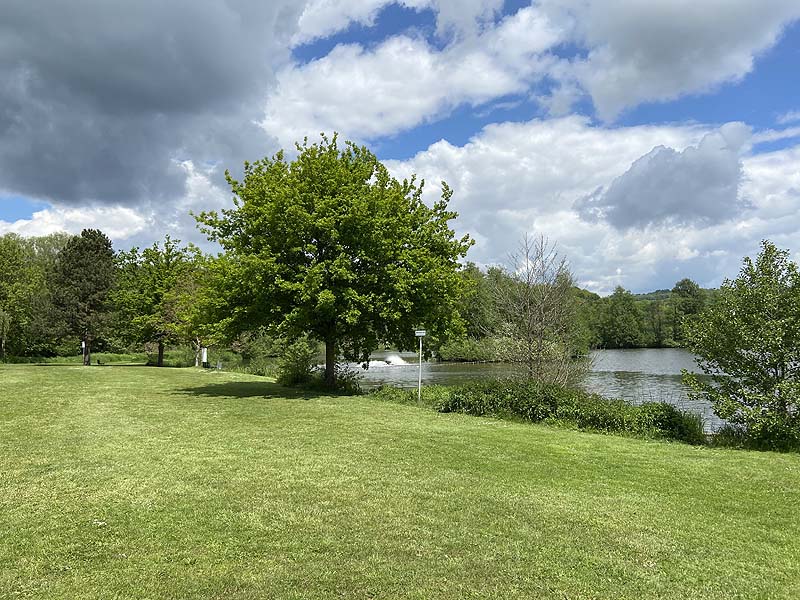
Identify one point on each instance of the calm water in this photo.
(643, 375)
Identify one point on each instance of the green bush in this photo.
(770, 432)
(433, 396)
(538, 402)
(296, 364)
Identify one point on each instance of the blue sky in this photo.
(650, 141)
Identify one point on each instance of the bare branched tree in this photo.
(539, 312)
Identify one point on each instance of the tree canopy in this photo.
(748, 343)
(331, 245)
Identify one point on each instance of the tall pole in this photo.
(420, 333)
(419, 388)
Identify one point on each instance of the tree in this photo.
(84, 274)
(476, 304)
(621, 324)
(748, 343)
(332, 246)
(539, 308)
(26, 316)
(687, 301)
(11, 282)
(147, 295)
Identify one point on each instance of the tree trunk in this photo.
(197, 345)
(330, 363)
(87, 355)
(160, 362)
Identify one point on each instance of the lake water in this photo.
(641, 375)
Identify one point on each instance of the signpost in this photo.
(420, 333)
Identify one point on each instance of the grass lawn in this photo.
(136, 482)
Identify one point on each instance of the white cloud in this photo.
(322, 18)
(662, 49)
(793, 116)
(404, 81)
(117, 222)
(775, 135)
(520, 177)
(634, 52)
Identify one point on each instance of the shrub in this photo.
(748, 345)
(537, 402)
(296, 363)
(433, 396)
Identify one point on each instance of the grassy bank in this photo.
(136, 482)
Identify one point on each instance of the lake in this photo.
(641, 375)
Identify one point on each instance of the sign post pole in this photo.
(420, 333)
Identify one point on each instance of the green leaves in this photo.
(331, 246)
(158, 293)
(748, 342)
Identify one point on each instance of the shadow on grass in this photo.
(93, 366)
(248, 389)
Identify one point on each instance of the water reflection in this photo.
(643, 375)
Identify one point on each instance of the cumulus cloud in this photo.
(115, 221)
(99, 99)
(667, 187)
(367, 93)
(519, 177)
(662, 49)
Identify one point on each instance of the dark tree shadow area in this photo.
(248, 389)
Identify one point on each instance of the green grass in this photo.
(136, 482)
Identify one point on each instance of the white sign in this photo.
(420, 333)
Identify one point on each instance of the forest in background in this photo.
(621, 320)
(151, 299)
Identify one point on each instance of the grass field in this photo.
(136, 482)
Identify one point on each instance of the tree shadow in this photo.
(248, 389)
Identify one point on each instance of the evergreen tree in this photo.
(83, 275)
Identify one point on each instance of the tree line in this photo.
(621, 320)
(63, 294)
(60, 291)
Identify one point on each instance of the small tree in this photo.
(539, 310)
(748, 343)
(330, 245)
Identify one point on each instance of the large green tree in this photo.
(331, 245)
(748, 344)
(83, 276)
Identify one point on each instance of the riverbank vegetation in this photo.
(184, 483)
(552, 404)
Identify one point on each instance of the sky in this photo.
(651, 140)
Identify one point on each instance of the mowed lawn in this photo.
(136, 482)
